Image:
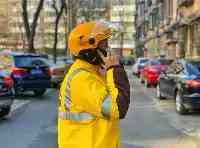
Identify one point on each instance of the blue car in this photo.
(29, 72)
(182, 82)
(6, 92)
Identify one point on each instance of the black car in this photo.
(6, 93)
(29, 72)
(126, 60)
(181, 82)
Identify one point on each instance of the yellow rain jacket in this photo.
(91, 105)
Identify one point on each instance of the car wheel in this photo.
(137, 74)
(158, 92)
(141, 81)
(5, 111)
(146, 84)
(39, 92)
(55, 85)
(16, 92)
(179, 104)
(13, 91)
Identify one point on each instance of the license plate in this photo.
(36, 71)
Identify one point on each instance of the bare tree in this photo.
(58, 13)
(70, 13)
(30, 27)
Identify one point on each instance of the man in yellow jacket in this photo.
(91, 104)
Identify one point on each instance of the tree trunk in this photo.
(31, 29)
(55, 41)
(31, 48)
(58, 16)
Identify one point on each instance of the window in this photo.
(30, 61)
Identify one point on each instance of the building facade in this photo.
(190, 16)
(122, 15)
(12, 32)
(156, 21)
(93, 10)
(168, 27)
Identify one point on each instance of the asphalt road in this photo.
(31, 124)
(155, 124)
(150, 123)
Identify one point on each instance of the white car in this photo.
(139, 64)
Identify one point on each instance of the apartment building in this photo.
(93, 10)
(169, 27)
(12, 32)
(190, 16)
(122, 14)
(156, 21)
(3, 18)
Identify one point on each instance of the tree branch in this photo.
(25, 18)
(35, 17)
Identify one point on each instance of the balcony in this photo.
(185, 3)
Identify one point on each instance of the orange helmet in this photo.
(88, 35)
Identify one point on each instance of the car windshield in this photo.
(193, 68)
(30, 61)
(155, 62)
(142, 61)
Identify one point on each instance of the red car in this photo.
(151, 72)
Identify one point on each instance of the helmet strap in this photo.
(91, 56)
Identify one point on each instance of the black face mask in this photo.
(92, 56)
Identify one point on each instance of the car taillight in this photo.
(153, 72)
(8, 82)
(48, 72)
(192, 84)
(18, 72)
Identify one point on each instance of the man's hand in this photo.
(111, 61)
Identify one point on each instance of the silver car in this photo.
(139, 64)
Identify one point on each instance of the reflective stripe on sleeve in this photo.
(76, 117)
(106, 106)
(67, 91)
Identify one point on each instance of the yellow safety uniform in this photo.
(91, 105)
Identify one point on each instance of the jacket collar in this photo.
(85, 65)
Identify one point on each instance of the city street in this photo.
(41, 39)
(155, 124)
(150, 123)
(31, 124)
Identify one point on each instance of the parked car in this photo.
(181, 82)
(127, 60)
(6, 91)
(139, 65)
(151, 71)
(29, 72)
(59, 70)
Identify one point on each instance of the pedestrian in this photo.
(90, 104)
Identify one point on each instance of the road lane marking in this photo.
(18, 104)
